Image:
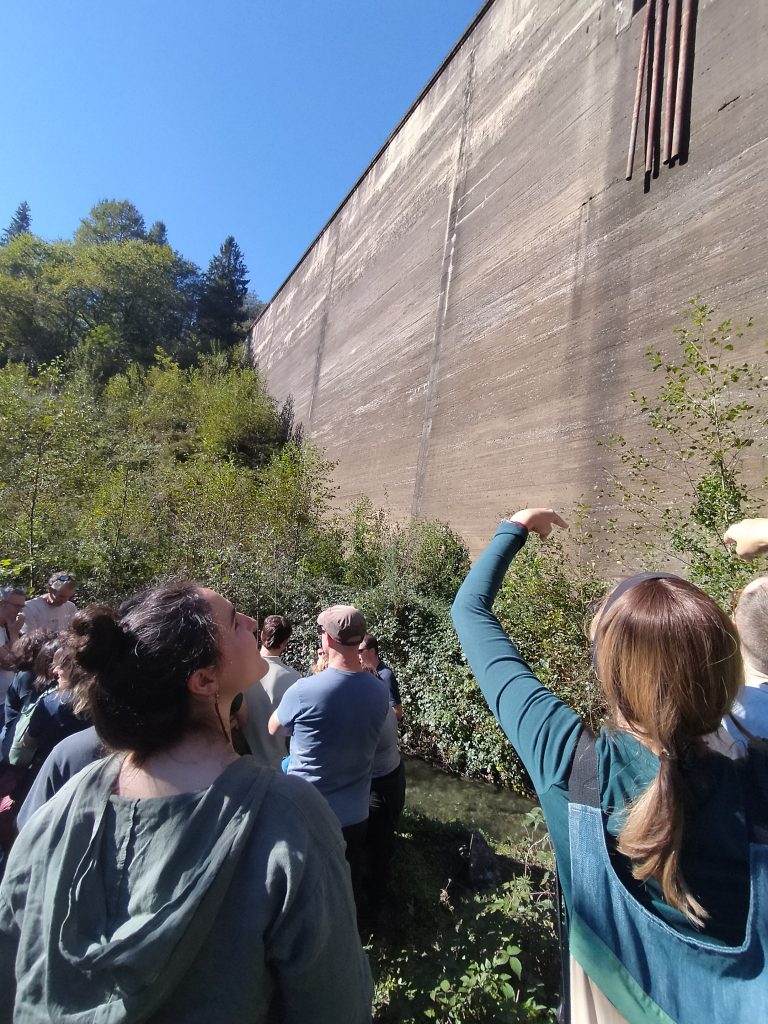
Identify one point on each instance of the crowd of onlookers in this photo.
(203, 831)
(337, 728)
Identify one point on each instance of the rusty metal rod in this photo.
(681, 92)
(639, 87)
(670, 65)
(656, 75)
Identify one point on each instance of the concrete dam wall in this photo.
(474, 315)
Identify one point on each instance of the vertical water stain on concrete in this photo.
(323, 328)
(446, 273)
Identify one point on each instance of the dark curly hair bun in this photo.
(97, 639)
(137, 662)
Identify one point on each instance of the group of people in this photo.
(38, 706)
(337, 728)
(171, 879)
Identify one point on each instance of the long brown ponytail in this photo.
(670, 667)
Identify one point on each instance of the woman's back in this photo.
(200, 906)
(691, 855)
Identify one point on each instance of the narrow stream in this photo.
(475, 804)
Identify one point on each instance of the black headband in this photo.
(615, 594)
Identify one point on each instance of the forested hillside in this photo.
(114, 293)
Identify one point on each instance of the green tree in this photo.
(221, 312)
(694, 473)
(50, 440)
(36, 322)
(111, 220)
(21, 223)
(253, 306)
(158, 234)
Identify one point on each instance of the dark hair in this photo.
(275, 631)
(369, 643)
(43, 662)
(137, 662)
(27, 648)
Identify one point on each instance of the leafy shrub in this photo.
(454, 955)
(697, 466)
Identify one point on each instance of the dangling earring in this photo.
(221, 720)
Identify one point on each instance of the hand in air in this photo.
(539, 520)
(750, 538)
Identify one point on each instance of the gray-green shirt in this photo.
(231, 905)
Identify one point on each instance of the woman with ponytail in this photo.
(173, 880)
(661, 843)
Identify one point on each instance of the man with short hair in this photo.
(335, 719)
(750, 709)
(12, 601)
(262, 699)
(369, 659)
(53, 610)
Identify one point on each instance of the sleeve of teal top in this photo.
(542, 729)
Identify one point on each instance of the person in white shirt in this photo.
(12, 600)
(53, 610)
(263, 698)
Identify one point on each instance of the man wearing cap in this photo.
(335, 719)
(53, 610)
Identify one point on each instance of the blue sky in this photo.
(219, 117)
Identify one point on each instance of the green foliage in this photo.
(544, 604)
(110, 304)
(687, 481)
(449, 954)
(421, 557)
(111, 220)
(222, 311)
(405, 577)
(166, 470)
(158, 234)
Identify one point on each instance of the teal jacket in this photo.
(543, 730)
(228, 905)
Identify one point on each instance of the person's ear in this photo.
(203, 682)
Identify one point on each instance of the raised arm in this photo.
(750, 538)
(541, 728)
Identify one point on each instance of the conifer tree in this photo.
(21, 223)
(158, 234)
(221, 311)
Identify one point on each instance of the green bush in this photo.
(447, 953)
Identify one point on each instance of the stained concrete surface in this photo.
(473, 317)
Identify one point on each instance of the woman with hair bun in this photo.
(173, 880)
(661, 844)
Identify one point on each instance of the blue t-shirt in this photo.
(751, 709)
(335, 719)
